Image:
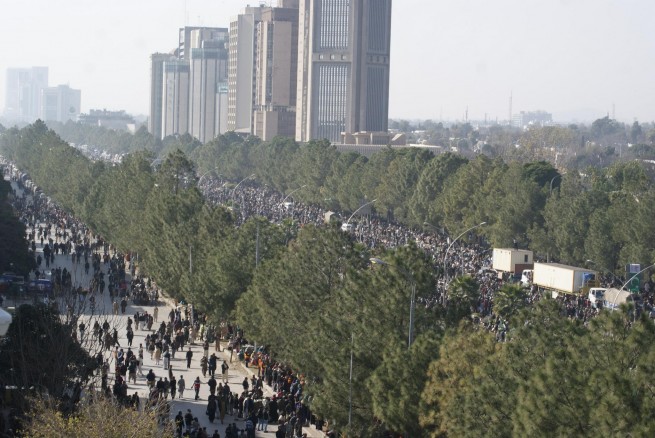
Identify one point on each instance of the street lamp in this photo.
(292, 192)
(204, 175)
(445, 257)
(559, 175)
(626, 283)
(410, 278)
(360, 207)
(234, 191)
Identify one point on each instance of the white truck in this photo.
(559, 278)
(513, 261)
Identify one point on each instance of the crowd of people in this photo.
(64, 235)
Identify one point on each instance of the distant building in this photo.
(241, 70)
(157, 93)
(528, 118)
(343, 68)
(24, 93)
(60, 104)
(368, 143)
(175, 98)
(208, 74)
(276, 68)
(117, 120)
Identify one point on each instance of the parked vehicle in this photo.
(596, 296)
(512, 261)
(565, 279)
(613, 298)
(40, 286)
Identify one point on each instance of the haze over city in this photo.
(576, 59)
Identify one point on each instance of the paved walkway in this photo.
(104, 310)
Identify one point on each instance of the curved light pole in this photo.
(412, 299)
(292, 192)
(559, 175)
(626, 283)
(445, 257)
(237, 186)
(204, 175)
(360, 207)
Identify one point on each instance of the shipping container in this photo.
(563, 278)
(512, 260)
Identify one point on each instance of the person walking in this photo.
(173, 386)
(189, 355)
(224, 368)
(196, 387)
(181, 386)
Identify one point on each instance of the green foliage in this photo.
(396, 385)
(509, 300)
(14, 251)
(463, 293)
(36, 336)
(554, 377)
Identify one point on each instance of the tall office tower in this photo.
(191, 37)
(241, 69)
(343, 68)
(276, 67)
(23, 93)
(208, 74)
(60, 104)
(156, 93)
(175, 97)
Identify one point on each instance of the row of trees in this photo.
(323, 308)
(597, 214)
(14, 250)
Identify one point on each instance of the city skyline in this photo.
(582, 59)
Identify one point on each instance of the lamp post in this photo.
(350, 382)
(410, 278)
(626, 283)
(292, 192)
(237, 186)
(445, 257)
(287, 197)
(559, 175)
(360, 207)
(204, 175)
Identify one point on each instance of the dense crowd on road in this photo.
(61, 235)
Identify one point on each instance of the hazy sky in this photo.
(574, 58)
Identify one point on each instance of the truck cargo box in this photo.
(512, 260)
(563, 278)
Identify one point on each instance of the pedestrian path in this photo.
(105, 310)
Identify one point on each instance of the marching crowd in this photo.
(65, 236)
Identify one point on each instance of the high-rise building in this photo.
(60, 104)
(241, 69)
(191, 37)
(343, 68)
(207, 112)
(276, 67)
(23, 93)
(175, 97)
(157, 93)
